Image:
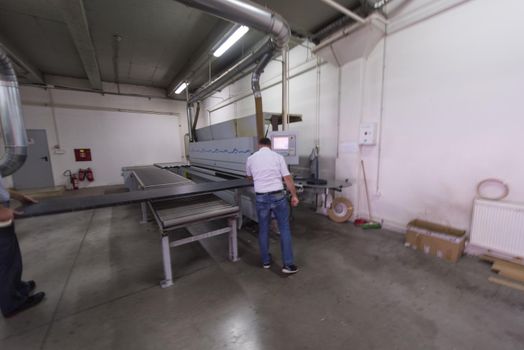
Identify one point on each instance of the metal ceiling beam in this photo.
(33, 73)
(74, 15)
(343, 21)
(344, 10)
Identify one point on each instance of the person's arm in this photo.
(248, 171)
(21, 197)
(288, 179)
(6, 214)
(290, 185)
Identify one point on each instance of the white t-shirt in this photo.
(267, 169)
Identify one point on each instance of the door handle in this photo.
(45, 158)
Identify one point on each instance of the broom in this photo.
(371, 224)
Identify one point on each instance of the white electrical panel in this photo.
(285, 143)
(368, 134)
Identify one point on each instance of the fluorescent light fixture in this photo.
(380, 3)
(180, 88)
(237, 34)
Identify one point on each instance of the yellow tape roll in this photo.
(341, 209)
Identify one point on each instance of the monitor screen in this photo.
(281, 143)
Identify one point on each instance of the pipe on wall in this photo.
(254, 16)
(15, 137)
(189, 121)
(193, 127)
(255, 86)
(246, 63)
(285, 88)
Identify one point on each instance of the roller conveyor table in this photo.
(174, 213)
(148, 177)
(171, 214)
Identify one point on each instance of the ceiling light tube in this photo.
(237, 34)
(180, 88)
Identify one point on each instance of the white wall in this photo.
(452, 113)
(120, 130)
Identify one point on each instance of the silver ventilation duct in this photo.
(15, 137)
(247, 13)
(246, 63)
(255, 85)
(254, 16)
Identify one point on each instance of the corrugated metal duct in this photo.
(15, 137)
(255, 16)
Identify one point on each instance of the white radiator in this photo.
(498, 226)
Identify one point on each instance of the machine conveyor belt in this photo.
(152, 176)
(182, 212)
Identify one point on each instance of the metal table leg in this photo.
(145, 216)
(233, 247)
(166, 257)
(238, 202)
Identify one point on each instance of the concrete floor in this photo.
(356, 290)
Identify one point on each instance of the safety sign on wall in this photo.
(83, 154)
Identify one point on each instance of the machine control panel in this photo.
(285, 143)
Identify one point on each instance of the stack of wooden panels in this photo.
(510, 272)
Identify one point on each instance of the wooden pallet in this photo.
(513, 272)
(491, 255)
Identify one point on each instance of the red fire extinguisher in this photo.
(81, 174)
(73, 179)
(90, 175)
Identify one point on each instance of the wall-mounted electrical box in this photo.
(368, 134)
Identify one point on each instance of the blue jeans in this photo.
(276, 203)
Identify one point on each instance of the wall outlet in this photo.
(368, 134)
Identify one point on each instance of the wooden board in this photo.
(512, 275)
(487, 258)
(491, 255)
(507, 283)
(507, 269)
(499, 265)
(496, 257)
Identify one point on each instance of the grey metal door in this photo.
(36, 171)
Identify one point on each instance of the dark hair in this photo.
(264, 141)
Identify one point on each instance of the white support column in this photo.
(166, 257)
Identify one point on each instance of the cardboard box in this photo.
(441, 241)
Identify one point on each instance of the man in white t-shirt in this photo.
(267, 169)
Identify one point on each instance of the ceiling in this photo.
(160, 39)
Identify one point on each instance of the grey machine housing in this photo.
(220, 153)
